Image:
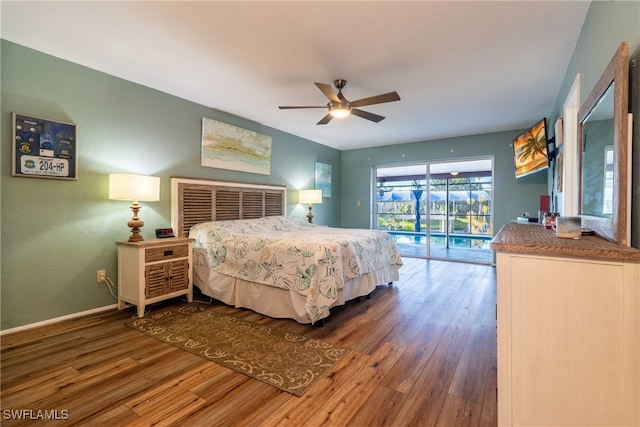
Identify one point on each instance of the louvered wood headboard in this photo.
(201, 200)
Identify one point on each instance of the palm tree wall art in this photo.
(530, 149)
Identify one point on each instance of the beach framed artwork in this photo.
(323, 178)
(225, 146)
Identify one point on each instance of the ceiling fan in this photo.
(340, 107)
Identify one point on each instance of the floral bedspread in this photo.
(292, 254)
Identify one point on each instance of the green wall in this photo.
(56, 233)
(511, 197)
(607, 24)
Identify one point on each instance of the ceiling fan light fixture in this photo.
(339, 107)
(338, 110)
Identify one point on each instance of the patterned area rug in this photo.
(292, 363)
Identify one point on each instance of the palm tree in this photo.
(533, 146)
(417, 192)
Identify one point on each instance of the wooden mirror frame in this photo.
(615, 228)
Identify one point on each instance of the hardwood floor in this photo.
(423, 354)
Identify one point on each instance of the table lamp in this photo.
(310, 197)
(136, 188)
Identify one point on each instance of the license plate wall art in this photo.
(43, 148)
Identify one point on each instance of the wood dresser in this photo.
(568, 316)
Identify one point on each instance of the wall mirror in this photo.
(604, 153)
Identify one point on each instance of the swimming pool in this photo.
(438, 239)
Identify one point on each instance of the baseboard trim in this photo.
(58, 319)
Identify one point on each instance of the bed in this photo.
(248, 253)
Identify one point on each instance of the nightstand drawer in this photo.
(166, 252)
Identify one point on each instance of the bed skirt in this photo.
(282, 303)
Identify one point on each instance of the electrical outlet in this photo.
(101, 276)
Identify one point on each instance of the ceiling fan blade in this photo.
(326, 119)
(328, 92)
(366, 115)
(378, 99)
(287, 107)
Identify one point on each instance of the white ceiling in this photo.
(460, 67)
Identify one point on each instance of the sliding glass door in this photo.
(461, 217)
(438, 210)
(401, 206)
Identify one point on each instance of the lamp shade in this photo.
(126, 186)
(310, 196)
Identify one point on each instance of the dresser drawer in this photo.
(166, 252)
